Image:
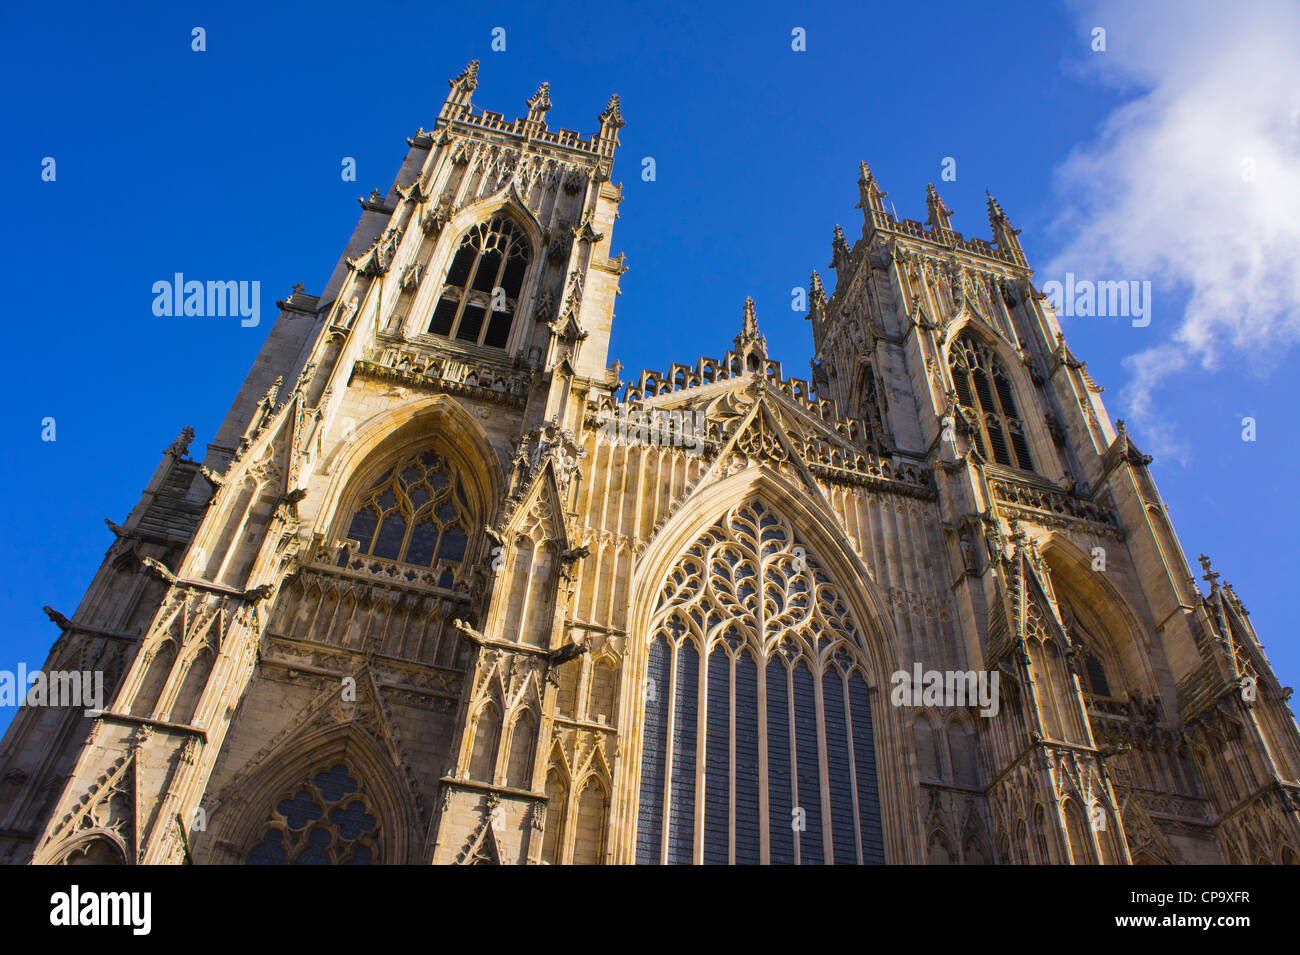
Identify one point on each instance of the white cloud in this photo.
(1194, 184)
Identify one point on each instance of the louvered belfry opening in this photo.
(983, 388)
(757, 743)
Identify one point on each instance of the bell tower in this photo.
(377, 537)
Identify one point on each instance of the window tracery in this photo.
(325, 821)
(747, 623)
(984, 388)
(417, 513)
(481, 292)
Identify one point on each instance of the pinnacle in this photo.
(541, 100)
(613, 114)
(468, 76)
(995, 210)
(750, 338)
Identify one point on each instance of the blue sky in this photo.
(225, 164)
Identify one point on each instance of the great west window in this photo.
(750, 632)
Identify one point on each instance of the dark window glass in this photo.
(325, 822)
(982, 386)
(471, 320)
(491, 255)
(424, 495)
(498, 330)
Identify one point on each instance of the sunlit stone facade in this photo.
(444, 589)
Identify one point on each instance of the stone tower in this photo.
(444, 590)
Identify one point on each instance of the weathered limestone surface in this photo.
(444, 589)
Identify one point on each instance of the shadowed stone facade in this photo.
(444, 589)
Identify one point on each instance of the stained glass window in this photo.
(326, 820)
(749, 623)
(416, 513)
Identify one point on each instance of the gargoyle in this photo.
(57, 618)
(159, 568)
(575, 553)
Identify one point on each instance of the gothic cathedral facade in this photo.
(443, 589)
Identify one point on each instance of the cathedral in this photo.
(445, 588)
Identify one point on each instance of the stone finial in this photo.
(816, 288)
(1003, 234)
(1209, 574)
(939, 214)
(181, 446)
(869, 192)
(467, 80)
(839, 248)
(612, 118)
(750, 341)
(996, 214)
(539, 102)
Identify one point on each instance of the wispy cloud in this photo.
(1194, 183)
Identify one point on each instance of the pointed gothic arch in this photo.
(818, 530)
(1111, 623)
(240, 821)
(748, 623)
(1019, 390)
(439, 423)
(505, 205)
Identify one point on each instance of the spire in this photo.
(996, 215)
(539, 103)
(817, 298)
(839, 249)
(1209, 574)
(750, 340)
(816, 288)
(468, 78)
(462, 87)
(869, 192)
(940, 214)
(1004, 237)
(611, 121)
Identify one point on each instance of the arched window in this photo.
(158, 665)
(1081, 848)
(556, 793)
(417, 513)
(1092, 671)
(589, 834)
(1040, 836)
(1094, 675)
(485, 278)
(984, 388)
(748, 623)
(962, 753)
(927, 753)
(94, 852)
(327, 820)
(487, 732)
(519, 768)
